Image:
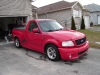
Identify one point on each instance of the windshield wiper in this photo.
(59, 29)
(50, 30)
(55, 30)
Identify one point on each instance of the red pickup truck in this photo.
(49, 37)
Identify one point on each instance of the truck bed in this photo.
(19, 32)
(20, 28)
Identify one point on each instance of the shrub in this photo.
(91, 24)
(73, 27)
(82, 24)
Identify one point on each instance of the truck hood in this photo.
(66, 35)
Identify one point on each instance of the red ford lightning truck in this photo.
(49, 37)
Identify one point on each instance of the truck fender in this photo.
(50, 41)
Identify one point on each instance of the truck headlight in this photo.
(67, 43)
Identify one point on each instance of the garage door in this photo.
(99, 20)
(86, 20)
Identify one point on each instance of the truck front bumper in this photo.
(73, 53)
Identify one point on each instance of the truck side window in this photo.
(32, 26)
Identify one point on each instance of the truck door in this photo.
(34, 40)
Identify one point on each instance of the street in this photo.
(14, 61)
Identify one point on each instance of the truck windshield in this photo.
(50, 25)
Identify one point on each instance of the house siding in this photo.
(63, 17)
(94, 12)
(77, 19)
(94, 17)
(86, 13)
(77, 6)
(15, 8)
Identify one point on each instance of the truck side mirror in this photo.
(36, 30)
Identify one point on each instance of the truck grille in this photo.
(80, 41)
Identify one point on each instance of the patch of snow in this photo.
(97, 42)
(3, 43)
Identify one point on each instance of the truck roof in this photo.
(41, 19)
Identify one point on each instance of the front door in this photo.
(34, 40)
(87, 23)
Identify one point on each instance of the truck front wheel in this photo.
(17, 43)
(52, 52)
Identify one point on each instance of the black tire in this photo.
(52, 52)
(17, 43)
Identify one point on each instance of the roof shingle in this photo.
(55, 6)
(93, 7)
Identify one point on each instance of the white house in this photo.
(12, 13)
(63, 11)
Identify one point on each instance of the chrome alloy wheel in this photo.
(51, 52)
(17, 43)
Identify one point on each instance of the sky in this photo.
(40, 3)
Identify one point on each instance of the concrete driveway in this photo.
(22, 61)
(94, 28)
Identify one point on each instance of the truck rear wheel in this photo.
(52, 53)
(17, 43)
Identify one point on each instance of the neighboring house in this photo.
(94, 14)
(63, 11)
(14, 12)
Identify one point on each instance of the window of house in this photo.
(32, 26)
(77, 13)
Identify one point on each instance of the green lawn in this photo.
(92, 37)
